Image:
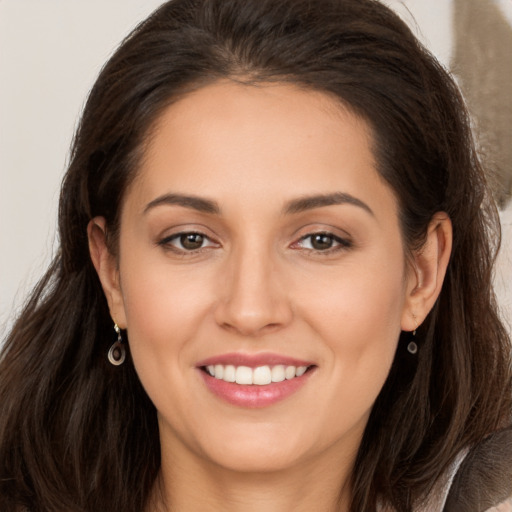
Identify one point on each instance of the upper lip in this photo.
(253, 360)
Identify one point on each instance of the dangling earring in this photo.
(117, 352)
(412, 348)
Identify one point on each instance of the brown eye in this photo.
(188, 241)
(191, 241)
(322, 241)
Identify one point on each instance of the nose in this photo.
(253, 297)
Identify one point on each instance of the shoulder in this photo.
(484, 478)
(479, 479)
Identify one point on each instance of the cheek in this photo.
(163, 311)
(358, 318)
(359, 306)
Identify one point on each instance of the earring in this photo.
(412, 348)
(117, 352)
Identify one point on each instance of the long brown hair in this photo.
(77, 434)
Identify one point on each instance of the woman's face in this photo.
(258, 239)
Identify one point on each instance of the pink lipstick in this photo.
(254, 380)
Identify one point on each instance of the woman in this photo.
(274, 282)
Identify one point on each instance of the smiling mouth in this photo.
(259, 376)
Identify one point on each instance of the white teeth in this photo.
(243, 375)
(219, 370)
(260, 376)
(301, 370)
(229, 373)
(289, 372)
(278, 373)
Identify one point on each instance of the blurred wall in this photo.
(50, 54)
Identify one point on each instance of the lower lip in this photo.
(254, 396)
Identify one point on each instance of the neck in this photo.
(310, 486)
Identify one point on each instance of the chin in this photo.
(256, 461)
(255, 453)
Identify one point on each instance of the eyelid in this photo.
(342, 242)
(166, 241)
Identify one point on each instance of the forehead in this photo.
(229, 139)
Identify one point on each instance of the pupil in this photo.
(322, 242)
(191, 241)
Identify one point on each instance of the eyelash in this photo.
(341, 243)
(167, 242)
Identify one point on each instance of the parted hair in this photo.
(79, 435)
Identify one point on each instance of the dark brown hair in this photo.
(77, 434)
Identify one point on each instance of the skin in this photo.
(258, 285)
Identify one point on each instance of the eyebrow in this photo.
(293, 207)
(317, 201)
(196, 203)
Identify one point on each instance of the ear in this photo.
(106, 266)
(427, 271)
